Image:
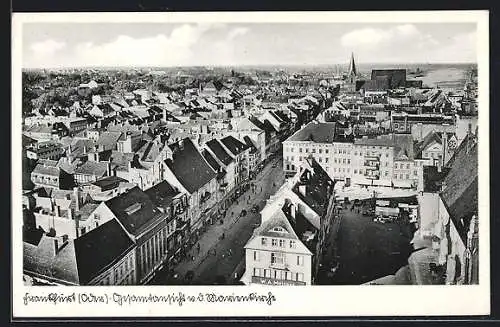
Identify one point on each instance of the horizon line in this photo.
(247, 65)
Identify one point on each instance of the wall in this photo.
(122, 272)
(290, 258)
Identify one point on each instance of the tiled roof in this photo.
(134, 209)
(317, 132)
(96, 250)
(93, 168)
(46, 170)
(189, 166)
(235, 146)
(40, 260)
(109, 140)
(460, 185)
(219, 151)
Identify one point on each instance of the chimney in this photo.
(445, 147)
(76, 195)
(56, 246)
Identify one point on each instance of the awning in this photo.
(402, 184)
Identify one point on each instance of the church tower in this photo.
(353, 72)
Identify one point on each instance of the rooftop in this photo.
(219, 151)
(134, 209)
(189, 166)
(315, 132)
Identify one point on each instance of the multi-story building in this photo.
(288, 246)
(385, 160)
(104, 256)
(189, 171)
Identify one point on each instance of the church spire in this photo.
(352, 66)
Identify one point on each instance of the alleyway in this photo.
(219, 256)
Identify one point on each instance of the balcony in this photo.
(279, 265)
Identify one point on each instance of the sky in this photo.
(55, 45)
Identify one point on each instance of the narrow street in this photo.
(220, 257)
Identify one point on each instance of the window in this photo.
(263, 241)
(300, 260)
(299, 277)
(255, 256)
(300, 150)
(274, 242)
(343, 161)
(292, 158)
(400, 176)
(307, 150)
(287, 158)
(326, 151)
(407, 166)
(387, 155)
(320, 159)
(293, 244)
(291, 149)
(335, 160)
(407, 176)
(277, 258)
(320, 150)
(326, 160)
(355, 153)
(256, 272)
(386, 173)
(395, 176)
(348, 161)
(396, 165)
(282, 243)
(355, 171)
(267, 273)
(415, 173)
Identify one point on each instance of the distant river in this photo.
(445, 77)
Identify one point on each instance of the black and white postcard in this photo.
(250, 164)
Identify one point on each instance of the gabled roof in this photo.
(134, 209)
(46, 170)
(219, 151)
(98, 249)
(233, 145)
(95, 168)
(189, 166)
(109, 140)
(41, 260)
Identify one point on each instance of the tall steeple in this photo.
(352, 66)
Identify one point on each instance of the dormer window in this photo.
(133, 208)
(279, 230)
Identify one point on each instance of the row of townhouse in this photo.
(386, 160)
